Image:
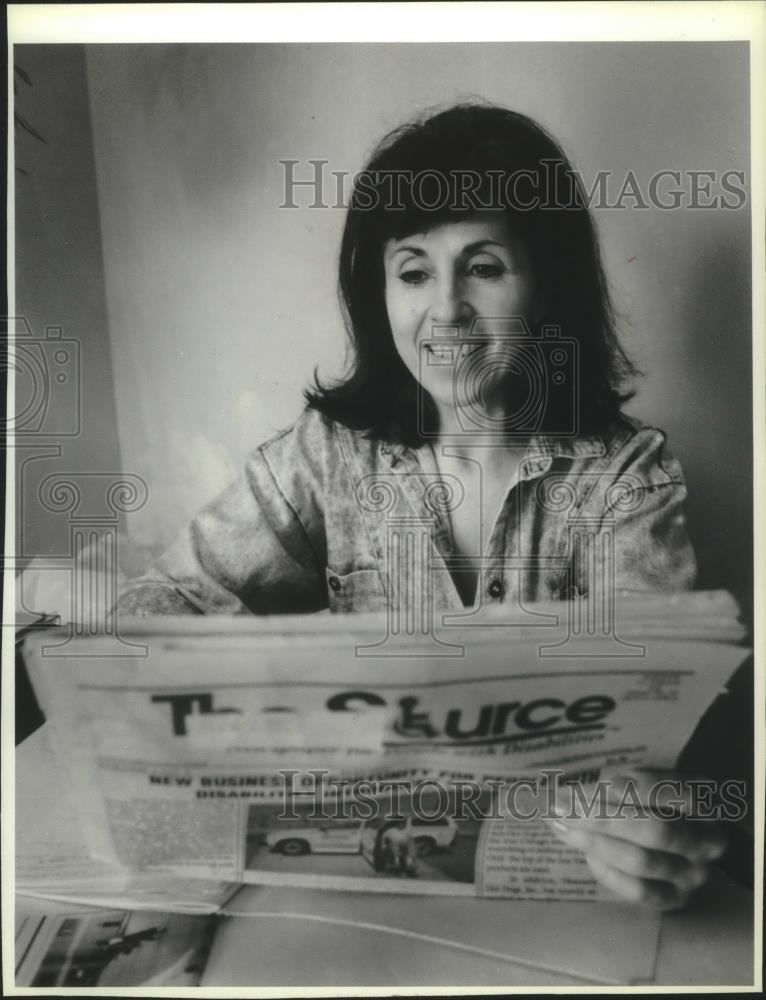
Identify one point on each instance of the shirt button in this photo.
(334, 583)
(496, 589)
(385, 450)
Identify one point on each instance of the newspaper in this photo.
(322, 752)
(52, 856)
(79, 946)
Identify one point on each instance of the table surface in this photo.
(710, 943)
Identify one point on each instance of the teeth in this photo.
(443, 353)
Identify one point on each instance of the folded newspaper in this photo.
(86, 946)
(359, 752)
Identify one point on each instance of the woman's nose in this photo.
(449, 305)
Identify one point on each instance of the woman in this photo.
(482, 411)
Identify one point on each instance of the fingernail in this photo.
(558, 826)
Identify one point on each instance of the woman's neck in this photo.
(479, 444)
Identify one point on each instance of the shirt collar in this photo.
(392, 452)
(544, 448)
(541, 451)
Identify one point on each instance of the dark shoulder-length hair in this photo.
(451, 165)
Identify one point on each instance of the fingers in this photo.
(573, 834)
(644, 864)
(656, 895)
(663, 792)
(641, 852)
(604, 809)
(640, 835)
(651, 878)
(697, 841)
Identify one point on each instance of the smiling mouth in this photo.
(442, 353)
(447, 354)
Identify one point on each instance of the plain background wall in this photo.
(220, 303)
(59, 282)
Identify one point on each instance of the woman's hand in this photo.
(645, 838)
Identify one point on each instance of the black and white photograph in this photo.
(431, 331)
(89, 948)
(433, 848)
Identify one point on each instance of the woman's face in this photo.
(466, 281)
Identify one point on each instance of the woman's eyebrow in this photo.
(480, 244)
(418, 251)
(467, 250)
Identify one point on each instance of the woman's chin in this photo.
(466, 412)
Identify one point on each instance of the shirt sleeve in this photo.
(642, 542)
(257, 547)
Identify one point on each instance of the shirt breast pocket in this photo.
(360, 590)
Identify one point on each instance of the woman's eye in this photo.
(413, 277)
(485, 270)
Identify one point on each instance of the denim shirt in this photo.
(324, 517)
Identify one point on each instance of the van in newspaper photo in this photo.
(336, 850)
(355, 836)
